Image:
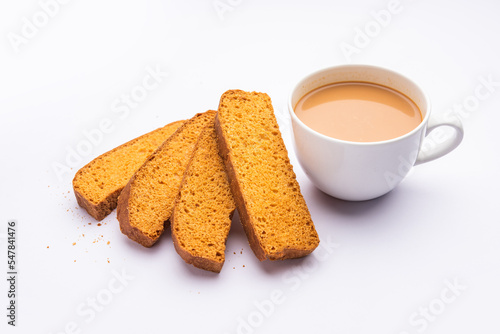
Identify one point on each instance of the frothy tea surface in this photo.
(358, 111)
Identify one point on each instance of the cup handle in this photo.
(433, 148)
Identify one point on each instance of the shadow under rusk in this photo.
(191, 270)
(279, 267)
(236, 233)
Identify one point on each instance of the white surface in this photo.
(390, 257)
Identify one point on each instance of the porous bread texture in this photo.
(98, 184)
(272, 209)
(146, 203)
(202, 214)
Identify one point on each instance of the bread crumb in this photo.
(47, 246)
(74, 261)
(74, 243)
(108, 259)
(243, 266)
(107, 243)
(234, 267)
(99, 224)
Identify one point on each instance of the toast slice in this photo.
(146, 203)
(98, 184)
(272, 210)
(202, 214)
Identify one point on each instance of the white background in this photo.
(391, 259)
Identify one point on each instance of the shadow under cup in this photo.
(357, 171)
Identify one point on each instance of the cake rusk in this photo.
(272, 209)
(146, 203)
(202, 214)
(98, 184)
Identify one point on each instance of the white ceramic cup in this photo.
(358, 171)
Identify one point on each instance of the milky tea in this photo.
(358, 112)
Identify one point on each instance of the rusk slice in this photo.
(146, 203)
(202, 215)
(98, 184)
(272, 210)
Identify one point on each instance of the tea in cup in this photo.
(356, 129)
